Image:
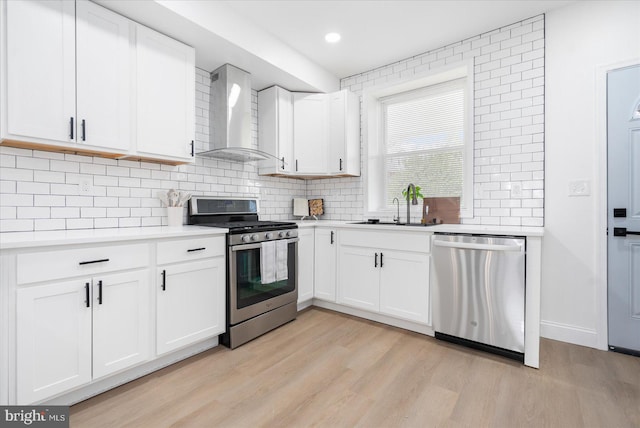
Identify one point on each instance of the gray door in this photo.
(623, 140)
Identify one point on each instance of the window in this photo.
(419, 132)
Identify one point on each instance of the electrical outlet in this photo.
(85, 187)
(579, 188)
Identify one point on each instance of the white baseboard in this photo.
(569, 333)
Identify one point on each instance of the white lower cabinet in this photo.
(190, 292)
(305, 264)
(191, 301)
(385, 272)
(72, 332)
(324, 276)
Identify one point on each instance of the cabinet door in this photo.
(104, 76)
(40, 67)
(310, 117)
(165, 102)
(325, 263)
(121, 327)
(53, 339)
(305, 264)
(275, 129)
(404, 285)
(358, 278)
(337, 140)
(191, 303)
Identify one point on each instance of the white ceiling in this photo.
(377, 33)
(281, 42)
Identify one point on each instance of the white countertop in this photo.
(447, 228)
(12, 240)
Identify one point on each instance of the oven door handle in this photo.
(243, 247)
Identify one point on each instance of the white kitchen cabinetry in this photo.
(275, 130)
(63, 93)
(344, 133)
(71, 331)
(325, 264)
(310, 133)
(165, 96)
(385, 272)
(190, 285)
(305, 264)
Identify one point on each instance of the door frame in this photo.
(602, 325)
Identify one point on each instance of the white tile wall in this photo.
(509, 125)
(39, 190)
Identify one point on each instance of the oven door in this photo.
(248, 297)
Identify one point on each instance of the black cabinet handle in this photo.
(282, 162)
(191, 250)
(375, 264)
(94, 261)
(622, 231)
(99, 292)
(164, 280)
(71, 128)
(381, 263)
(84, 130)
(86, 293)
(340, 164)
(332, 237)
(296, 164)
(192, 149)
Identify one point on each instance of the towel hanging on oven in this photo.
(273, 261)
(282, 269)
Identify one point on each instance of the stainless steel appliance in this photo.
(257, 300)
(479, 291)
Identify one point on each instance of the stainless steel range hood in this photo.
(230, 116)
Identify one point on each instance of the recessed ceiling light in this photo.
(332, 37)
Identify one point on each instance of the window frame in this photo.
(373, 134)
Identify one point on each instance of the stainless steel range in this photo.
(262, 258)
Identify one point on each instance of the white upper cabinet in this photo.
(165, 96)
(344, 133)
(312, 135)
(275, 130)
(40, 71)
(310, 132)
(78, 76)
(104, 74)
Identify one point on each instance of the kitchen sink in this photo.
(391, 223)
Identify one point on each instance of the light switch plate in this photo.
(579, 188)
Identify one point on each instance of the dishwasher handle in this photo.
(471, 246)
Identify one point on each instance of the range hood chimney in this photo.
(230, 116)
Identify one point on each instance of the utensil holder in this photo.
(174, 216)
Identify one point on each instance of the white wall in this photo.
(508, 125)
(581, 40)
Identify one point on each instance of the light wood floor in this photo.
(333, 370)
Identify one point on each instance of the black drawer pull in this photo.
(86, 291)
(191, 250)
(375, 264)
(381, 263)
(332, 237)
(193, 153)
(164, 280)
(622, 231)
(99, 292)
(93, 261)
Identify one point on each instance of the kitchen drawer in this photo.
(403, 241)
(87, 261)
(180, 250)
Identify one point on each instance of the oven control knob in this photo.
(282, 234)
(245, 238)
(254, 237)
(268, 235)
(288, 233)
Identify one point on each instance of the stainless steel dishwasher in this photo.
(479, 291)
